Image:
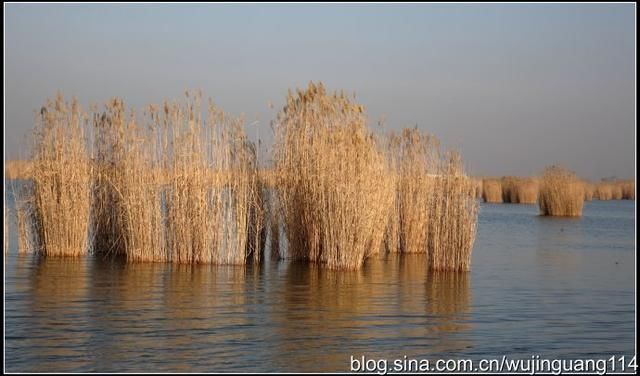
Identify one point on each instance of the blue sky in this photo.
(513, 87)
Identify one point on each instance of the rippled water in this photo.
(552, 287)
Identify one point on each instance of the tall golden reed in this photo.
(414, 163)
(435, 210)
(454, 217)
(214, 200)
(128, 215)
(334, 191)
(54, 207)
(182, 188)
(561, 193)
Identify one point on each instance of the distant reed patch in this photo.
(518, 190)
(561, 193)
(492, 190)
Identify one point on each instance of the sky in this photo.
(513, 87)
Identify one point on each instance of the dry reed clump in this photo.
(334, 191)
(616, 191)
(128, 213)
(414, 161)
(53, 209)
(628, 190)
(454, 217)
(182, 189)
(589, 190)
(516, 190)
(492, 191)
(604, 191)
(435, 210)
(561, 193)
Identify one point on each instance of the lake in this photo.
(554, 287)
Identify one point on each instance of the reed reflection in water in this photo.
(95, 315)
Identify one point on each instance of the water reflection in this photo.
(89, 314)
(537, 285)
(175, 317)
(558, 248)
(123, 311)
(57, 318)
(204, 309)
(391, 308)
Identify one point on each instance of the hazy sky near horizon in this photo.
(514, 87)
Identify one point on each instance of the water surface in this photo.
(546, 286)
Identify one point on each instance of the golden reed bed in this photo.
(179, 182)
